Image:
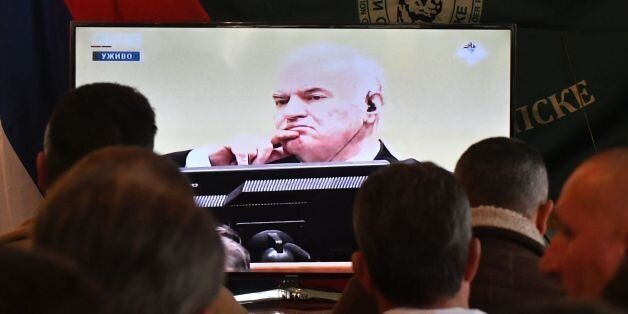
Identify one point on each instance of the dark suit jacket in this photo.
(508, 277)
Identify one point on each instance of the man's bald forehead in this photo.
(602, 182)
(609, 168)
(615, 158)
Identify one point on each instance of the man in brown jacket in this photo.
(507, 185)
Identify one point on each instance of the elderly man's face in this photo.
(591, 243)
(325, 102)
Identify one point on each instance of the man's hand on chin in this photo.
(252, 150)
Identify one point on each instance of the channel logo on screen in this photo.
(472, 52)
(115, 56)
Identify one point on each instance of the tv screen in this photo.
(433, 91)
(253, 102)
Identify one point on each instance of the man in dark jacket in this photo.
(507, 185)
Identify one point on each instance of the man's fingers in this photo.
(241, 158)
(248, 157)
(276, 154)
(252, 152)
(221, 157)
(262, 155)
(282, 135)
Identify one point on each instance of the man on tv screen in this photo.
(328, 103)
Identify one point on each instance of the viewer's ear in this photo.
(361, 272)
(40, 164)
(473, 259)
(542, 215)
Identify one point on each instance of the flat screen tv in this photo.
(277, 126)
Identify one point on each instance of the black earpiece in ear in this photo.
(369, 103)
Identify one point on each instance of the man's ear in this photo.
(473, 259)
(374, 102)
(361, 272)
(542, 215)
(40, 164)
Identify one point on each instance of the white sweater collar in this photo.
(490, 216)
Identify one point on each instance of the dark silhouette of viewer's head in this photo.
(128, 217)
(90, 117)
(412, 224)
(34, 283)
(504, 172)
(237, 258)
